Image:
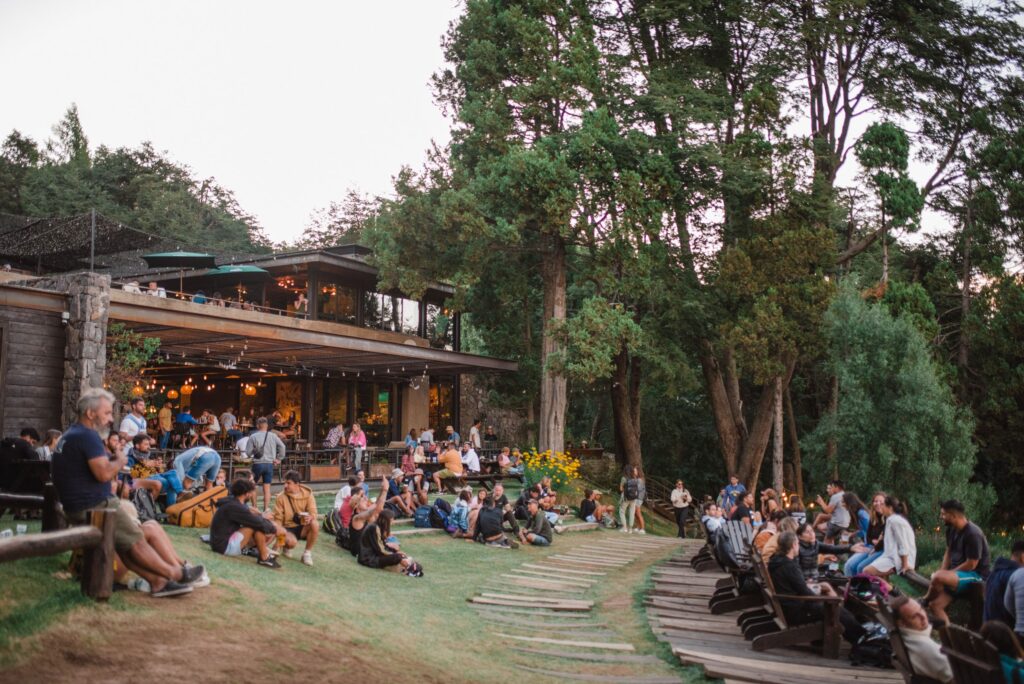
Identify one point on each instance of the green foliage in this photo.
(883, 151)
(897, 428)
(593, 337)
(911, 300)
(128, 352)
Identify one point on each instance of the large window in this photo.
(330, 405)
(440, 327)
(335, 303)
(442, 404)
(375, 411)
(388, 312)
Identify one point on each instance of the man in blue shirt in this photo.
(732, 494)
(83, 471)
(185, 417)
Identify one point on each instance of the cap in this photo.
(397, 472)
(597, 491)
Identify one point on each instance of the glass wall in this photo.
(388, 312)
(336, 303)
(375, 411)
(330, 406)
(442, 404)
(440, 328)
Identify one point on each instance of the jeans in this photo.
(540, 541)
(170, 485)
(552, 517)
(165, 439)
(856, 563)
(235, 435)
(357, 458)
(197, 462)
(627, 513)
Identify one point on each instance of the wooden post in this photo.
(98, 562)
(34, 545)
(53, 518)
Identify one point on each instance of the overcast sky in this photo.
(286, 104)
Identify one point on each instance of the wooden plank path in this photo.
(547, 614)
(678, 613)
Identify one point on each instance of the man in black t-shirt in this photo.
(488, 525)
(743, 509)
(965, 563)
(507, 511)
(82, 473)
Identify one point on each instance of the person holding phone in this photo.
(295, 511)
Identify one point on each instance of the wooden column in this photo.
(98, 562)
(53, 518)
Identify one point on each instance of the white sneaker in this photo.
(287, 553)
(624, 530)
(307, 558)
(641, 531)
(559, 529)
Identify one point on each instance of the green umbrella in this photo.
(181, 261)
(240, 274)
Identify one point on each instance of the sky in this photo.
(287, 104)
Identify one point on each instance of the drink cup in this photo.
(21, 529)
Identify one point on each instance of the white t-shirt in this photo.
(840, 516)
(342, 494)
(474, 437)
(471, 461)
(228, 420)
(240, 444)
(132, 425)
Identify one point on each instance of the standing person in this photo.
(426, 437)
(236, 527)
(229, 423)
(164, 422)
(474, 434)
(629, 487)
(357, 442)
(134, 422)
(731, 494)
(965, 562)
(82, 473)
(301, 305)
(266, 450)
(681, 501)
(538, 530)
(295, 511)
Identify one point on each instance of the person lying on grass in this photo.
(236, 527)
(295, 511)
(538, 529)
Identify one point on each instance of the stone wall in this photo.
(509, 424)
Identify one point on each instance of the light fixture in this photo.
(172, 394)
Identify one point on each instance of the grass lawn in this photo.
(334, 621)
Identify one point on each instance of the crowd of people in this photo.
(847, 539)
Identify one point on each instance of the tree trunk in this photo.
(729, 439)
(965, 304)
(551, 434)
(830, 444)
(798, 473)
(778, 478)
(626, 408)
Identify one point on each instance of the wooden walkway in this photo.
(547, 611)
(677, 609)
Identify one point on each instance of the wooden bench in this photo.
(774, 631)
(900, 655)
(973, 659)
(486, 480)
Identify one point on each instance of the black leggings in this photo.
(682, 514)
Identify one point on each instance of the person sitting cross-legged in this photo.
(295, 511)
(926, 657)
(487, 525)
(965, 563)
(82, 473)
(789, 580)
(507, 510)
(538, 530)
(237, 526)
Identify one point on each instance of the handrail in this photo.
(136, 288)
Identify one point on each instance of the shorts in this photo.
(833, 531)
(294, 531)
(234, 547)
(538, 540)
(590, 519)
(127, 528)
(444, 472)
(882, 564)
(263, 473)
(965, 578)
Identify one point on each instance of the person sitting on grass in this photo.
(374, 550)
(237, 527)
(538, 530)
(344, 492)
(145, 471)
(452, 462)
(507, 510)
(525, 496)
(83, 473)
(295, 511)
(790, 581)
(926, 657)
(593, 511)
(1011, 655)
(487, 527)
(398, 499)
(965, 563)
(899, 546)
(363, 514)
(459, 519)
(418, 488)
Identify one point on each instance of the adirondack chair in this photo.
(900, 655)
(778, 633)
(973, 659)
(733, 553)
(704, 559)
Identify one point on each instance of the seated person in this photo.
(374, 550)
(593, 511)
(295, 511)
(470, 459)
(516, 465)
(459, 519)
(452, 462)
(419, 487)
(507, 510)
(898, 544)
(1013, 601)
(209, 427)
(789, 580)
(398, 498)
(966, 561)
(525, 496)
(538, 530)
(363, 514)
(487, 526)
(834, 519)
(769, 530)
(197, 464)
(787, 524)
(997, 582)
(83, 472)
(810, 550)
(145, 471)
(1011, 656)
(712, 519)
(744, 511)
(504, 460)
(236, 526)
(926, 657)
(345, 492)
(185, 417)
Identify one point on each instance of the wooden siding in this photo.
(32, 369)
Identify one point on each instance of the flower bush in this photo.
(559, 466)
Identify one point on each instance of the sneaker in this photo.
(498, 544)
(559, 529)
(251, 552)
(512, 543)
(307, 558)
(287, 553)
(203, 581)
(624, 530)
(172, 588)
(269, 563)
(641, 531)
(190, 574)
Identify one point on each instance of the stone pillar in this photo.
(85, 351)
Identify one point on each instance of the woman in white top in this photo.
(45, 450)
(900, 545)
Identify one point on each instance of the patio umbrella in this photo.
(239, 275)
(181, 261)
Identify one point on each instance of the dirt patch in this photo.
(187, 639)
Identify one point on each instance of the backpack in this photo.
(874, 648)
(332, 523)
(421, 518)
(145, 505)
(439, 513)
(632, 489)
(866, 588)
(196, 511)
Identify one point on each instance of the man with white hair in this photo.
(82, 473)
